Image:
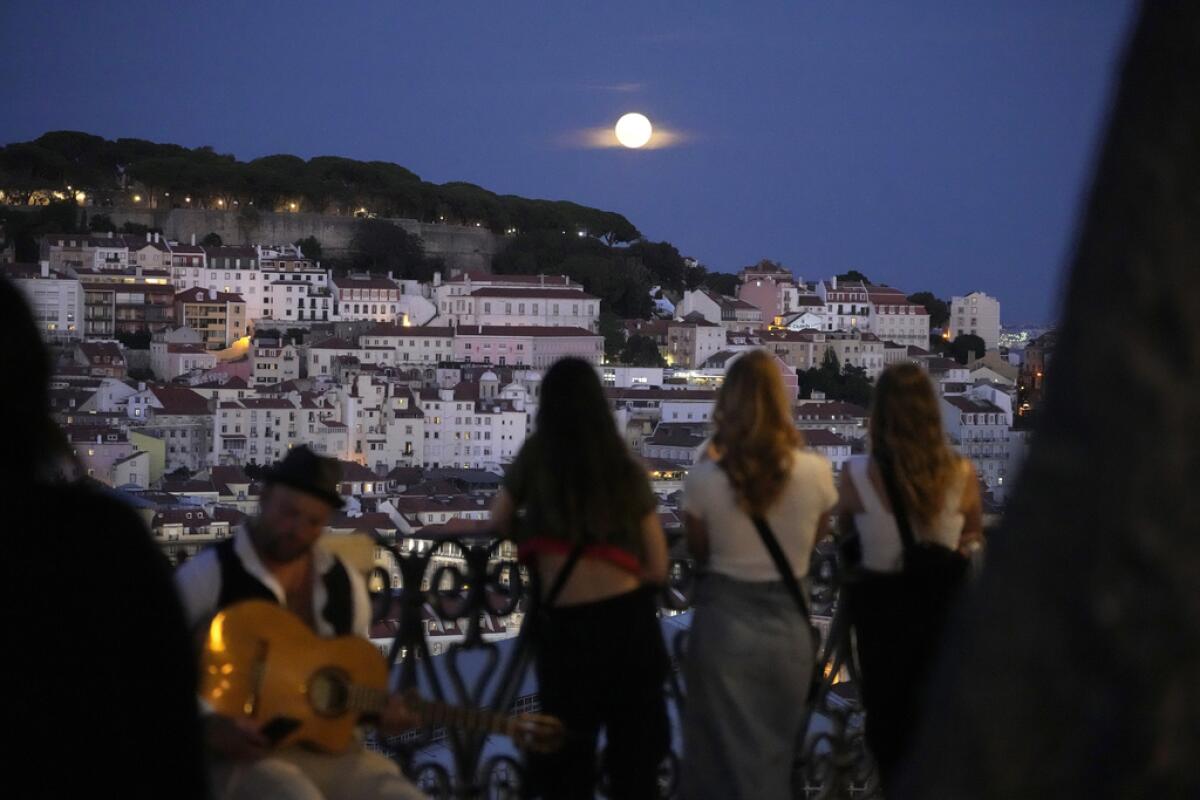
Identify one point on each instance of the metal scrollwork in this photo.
(469, 585)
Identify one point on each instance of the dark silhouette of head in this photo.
(34, 445)
(587, 470)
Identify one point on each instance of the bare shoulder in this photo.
(848, 500)
(807, 462)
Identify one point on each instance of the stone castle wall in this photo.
(460, 247)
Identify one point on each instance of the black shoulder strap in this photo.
(339, 599)
(782, 564)
(897, 502)
(564, 574)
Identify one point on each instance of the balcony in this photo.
(471, 585)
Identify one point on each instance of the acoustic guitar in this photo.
(261, 662)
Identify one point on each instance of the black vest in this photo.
(238, 584)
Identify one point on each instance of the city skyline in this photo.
(823, 138)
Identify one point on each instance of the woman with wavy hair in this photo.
(750, 653)
(899, 603)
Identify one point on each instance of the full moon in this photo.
(633, 130)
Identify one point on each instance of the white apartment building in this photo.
(551, 308)
(412, 345)
(101, 252)
(730, 313)
(230, 269)
(847, 305)
(169, 360)
(180, 417)
(462, 430)
(979, 429)
(893, 318)
(386, 345)
(692, 341)
(273, 360)
(450, 295)
(976, 314)
(621, 376)
(55, 298)
(262, 430)
(385, 425)
(829, 444)
(365, 297)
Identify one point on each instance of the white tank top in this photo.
(882, 549)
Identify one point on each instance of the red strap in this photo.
(617, 556)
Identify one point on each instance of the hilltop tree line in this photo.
(172, 173)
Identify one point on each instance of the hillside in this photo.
(139, 173)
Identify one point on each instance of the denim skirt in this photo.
(748, 667)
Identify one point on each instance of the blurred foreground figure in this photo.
(103, 669)
(1076, 671)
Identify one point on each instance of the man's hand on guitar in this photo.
(235, 738)
(397, 716)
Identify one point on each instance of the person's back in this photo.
(734, 547)
(750, 653)
(103, 674)
(898, 611)
(585, 521)
(879, 535)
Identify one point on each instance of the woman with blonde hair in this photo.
(751, 652)
(914, 506)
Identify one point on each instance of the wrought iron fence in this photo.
(477, 673)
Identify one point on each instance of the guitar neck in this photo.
(433, 713)
(471, 720)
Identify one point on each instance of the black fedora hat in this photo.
(310, 473)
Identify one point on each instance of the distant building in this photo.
(126, 301)
(894, 318)
(219, 317)
(55, 298)
(730, 313)
(979, 427)
(831, 445)
(768, 287)
(365, 297)
(537, 347)
(101, 359)
(531, 307)
(976, 314)
(847, 420)
(273, 359)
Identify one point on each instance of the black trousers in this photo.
(601, 666)
(899, 624)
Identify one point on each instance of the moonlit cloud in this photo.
(605, 138)
(626, 87)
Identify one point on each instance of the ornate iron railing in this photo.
(833, 761)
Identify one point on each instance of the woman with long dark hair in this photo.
(581, 510)
(750, 655)
(912, 486)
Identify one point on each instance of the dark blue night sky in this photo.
(932, 145)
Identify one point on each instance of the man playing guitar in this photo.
(276, 558)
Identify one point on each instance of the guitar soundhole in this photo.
(329, 692)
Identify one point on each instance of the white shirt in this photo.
(735, 548)
(878, 534)
(199, 583)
